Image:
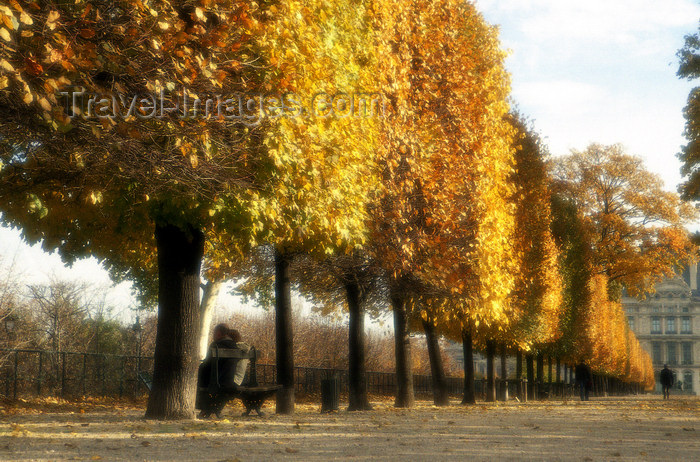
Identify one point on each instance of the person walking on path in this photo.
(583, 379)
(666, 379)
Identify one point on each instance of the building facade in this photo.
(667, 325)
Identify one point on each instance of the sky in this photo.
(584, 71)
(600, 71)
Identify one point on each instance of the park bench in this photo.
(250, 392)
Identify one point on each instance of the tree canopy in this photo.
(369, 139)
(636, 226)
(689, 68)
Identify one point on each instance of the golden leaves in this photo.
(24, 18)
(51, 19)
(45, 105)
(4, 65)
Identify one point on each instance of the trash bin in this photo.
(330, 394)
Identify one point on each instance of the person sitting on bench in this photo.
(231, 371)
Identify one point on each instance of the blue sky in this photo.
(600, 70)
(584, 71)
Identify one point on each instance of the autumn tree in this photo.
(97, 174)
(636, 226)
(443, 220)
(594, 329)
(335, 285)
(356, 283)
(689, 68)
(323, 163)
(536, 298)
(576, 254)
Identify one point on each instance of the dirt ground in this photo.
(643, 428)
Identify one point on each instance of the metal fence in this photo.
(69, 374)
(65, 374)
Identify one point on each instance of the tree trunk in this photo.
(519, 375)
(504, 374)
(540, 374)
(604, 381)
(560, 387)
(468, 350)
(437, 370)
(210, 293)
(530, 366)
(284, 339)
(357, 376)
(176, 356)
(549, 373)
(490, 373)
(402, 349)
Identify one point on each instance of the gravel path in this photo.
(644, 428)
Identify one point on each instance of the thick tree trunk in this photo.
(468, 350)
(284, 339)
(210, 293)
(504, 375)
(437, 370)
(519, 375)
(549, 373)
(402, 349)
(558, 369)
(490, 372)
(357, 377)
(176, 356)
(530, 366)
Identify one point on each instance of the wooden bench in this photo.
(250, 392)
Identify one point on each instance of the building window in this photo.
(655, 309)
(688, 380)
(655, 325)
(670, 325)
(687, 353)
(685, 325)
(686, 309)
(630, 321)
(671, 353)
(656, 352)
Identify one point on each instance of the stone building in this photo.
(667, 325)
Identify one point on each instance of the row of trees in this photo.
(63, 316)
(441, 210)
(66, 316)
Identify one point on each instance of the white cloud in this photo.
(568, 27)
(558, 96)
(600, 71)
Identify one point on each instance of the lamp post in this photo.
(10, 326)
(9, 329)
(137, 331)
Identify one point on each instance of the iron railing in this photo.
(68, 374)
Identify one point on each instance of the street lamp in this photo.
(9, 324)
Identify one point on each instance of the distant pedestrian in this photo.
(666, 379)
(583, 379)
